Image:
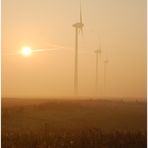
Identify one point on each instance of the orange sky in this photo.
(120, 26)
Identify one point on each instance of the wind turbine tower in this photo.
(105, 75)
(97, 52)
(78, 27)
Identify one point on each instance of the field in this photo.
(73, 123)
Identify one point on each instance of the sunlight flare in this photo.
(26, 51)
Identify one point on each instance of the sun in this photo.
(26, 51)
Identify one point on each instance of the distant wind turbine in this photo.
(97, 52)
(105, 75)
(78, 27)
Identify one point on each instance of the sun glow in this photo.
(26, 51)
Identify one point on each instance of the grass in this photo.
(93, 138)
(73, 124)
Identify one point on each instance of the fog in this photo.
(119, 26)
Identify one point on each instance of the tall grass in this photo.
(89, 138)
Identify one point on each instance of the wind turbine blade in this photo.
(80, 13)
(82, 31)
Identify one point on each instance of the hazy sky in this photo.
(120, 26)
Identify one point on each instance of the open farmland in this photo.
(81, 121)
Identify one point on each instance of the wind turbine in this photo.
(105, 74)
(97, 52)
(78, 27)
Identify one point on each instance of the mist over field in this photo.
(117, 29)
(73, 120)
(74, 74)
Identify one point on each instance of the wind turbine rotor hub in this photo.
(99, 51)
(78, 25)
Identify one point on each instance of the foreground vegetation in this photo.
(93, 138)
(73, 124)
